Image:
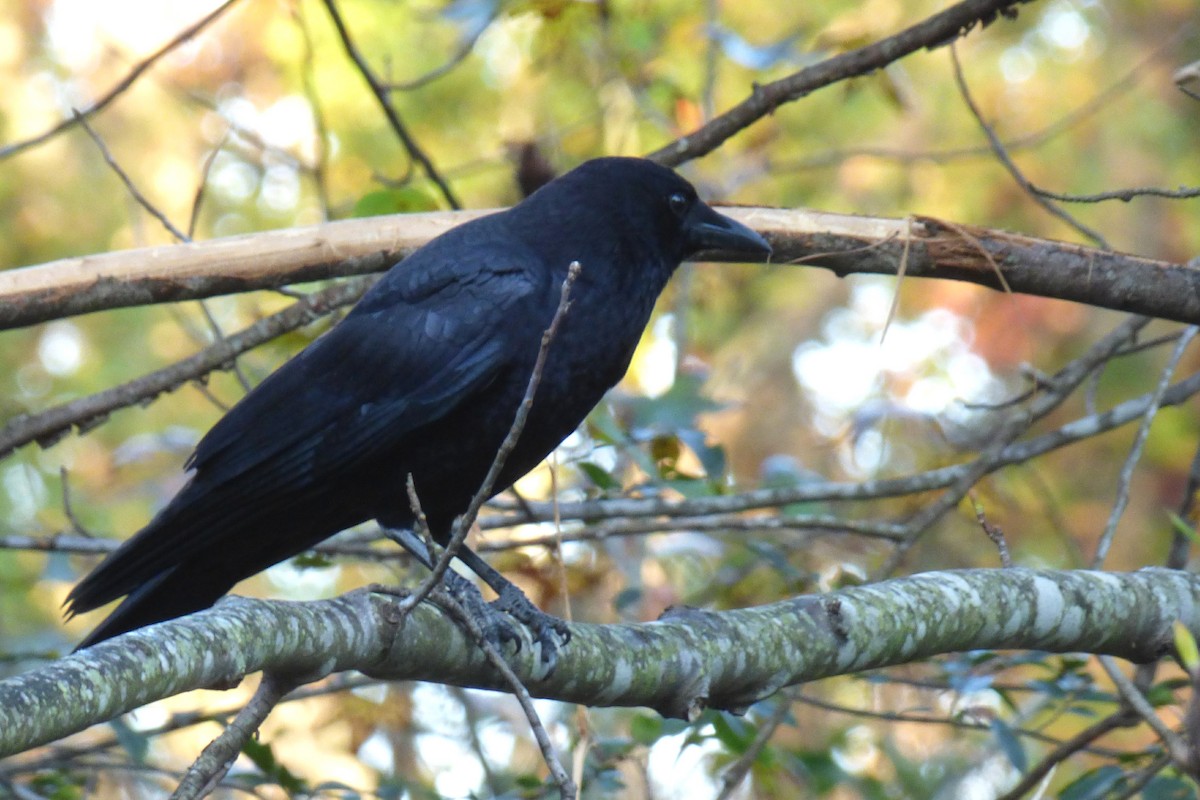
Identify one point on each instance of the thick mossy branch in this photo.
(687, 661)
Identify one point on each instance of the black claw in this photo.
(496, 628)
(497, 620)
(548, 631)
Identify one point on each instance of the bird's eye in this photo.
(679, 204)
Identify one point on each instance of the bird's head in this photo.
(652, 205)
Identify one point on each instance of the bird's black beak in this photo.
(705, 229)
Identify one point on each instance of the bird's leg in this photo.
(548, 631)
(495, 626)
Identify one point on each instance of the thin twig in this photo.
(1012, 427)
(465, 48)
(993, 532)
(68, 507)
(1181, 544)
(566, 786)
(1182, 193)
(381, 94)
(125, 179)
(121, 86)
(1137, 782)
(462, 525)
(320, 162)
(46, 427)
(1100, 101)
(1078, 742)
(736, 772)
(202, 186)
(215, 760)
(966, 724)
(934, 31)
(1007, 162)
(1137, 702)
(1135, 452)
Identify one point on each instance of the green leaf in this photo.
(646, 728)
(1093, 785)
(311, 561)
(733, 732)
(1185, 646)
(136, 744)
(599, 476)
(264, 758)
(1010, 744)
(627, 597)
(405, 200)
(1169, 788)
(1183, 527)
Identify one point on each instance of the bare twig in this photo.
(462, 525)
(381, 95)
(832, 491)
(1139, 442)
(465, 47)
(1100, 101)
(125, 179)
(320, 165)
(1078, 742)
(993, 532)
(954, 722)
(1016, 423)
(566, 786)
(68, 508)
(935, 31)
(48, 426)
(159, 215)
(1132, 696)
(1136, 782)
(736, 772)
(1125, 195)
(1006, 160)
(121, 86)
(216, 759)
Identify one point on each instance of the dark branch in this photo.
(48, 426)
(939, 29)
(381, 94)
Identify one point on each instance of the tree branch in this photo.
(685, 662)
(939, 29)
(122, 85)
(846, 244)
(46, 427)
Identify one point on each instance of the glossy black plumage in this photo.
(423, 376)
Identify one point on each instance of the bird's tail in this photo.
(155, 601)
(196, 549)
(161, 576)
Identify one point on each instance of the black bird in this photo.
(422, 377)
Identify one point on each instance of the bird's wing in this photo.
(417, 344)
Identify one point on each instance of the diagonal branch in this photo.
(935, 31)
(381, 95)
(121, 86)
(46, 427)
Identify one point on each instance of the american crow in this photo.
(422, 377)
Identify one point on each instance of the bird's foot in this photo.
(496, 628)
(496, 620)
(549, 632)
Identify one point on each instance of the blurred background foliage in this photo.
(750, 376)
